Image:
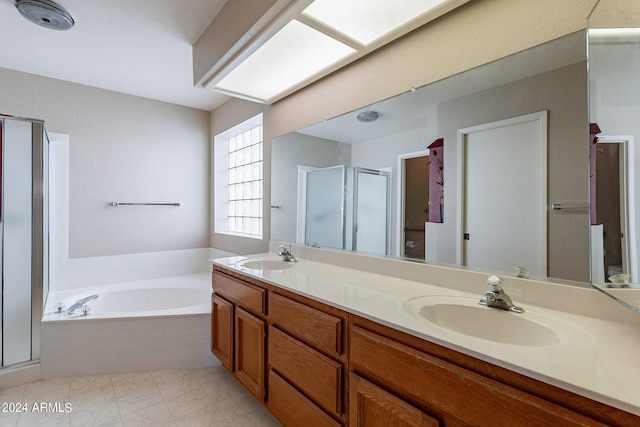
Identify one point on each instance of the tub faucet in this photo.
(286, 254)
(497, 298)
(80, 303)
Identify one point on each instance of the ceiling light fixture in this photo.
(368, 116)
(301, 42)
(45, 13)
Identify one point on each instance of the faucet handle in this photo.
(495, 283)
(283, 250)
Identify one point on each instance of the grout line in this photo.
(115, 396)
(163, 398)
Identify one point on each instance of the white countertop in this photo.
(597, 356)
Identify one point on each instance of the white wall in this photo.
(122, 148)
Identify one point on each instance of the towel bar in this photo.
(117, 204)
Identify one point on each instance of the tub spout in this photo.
(80, 303)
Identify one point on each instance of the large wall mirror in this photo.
(487, 170)
(614, 114)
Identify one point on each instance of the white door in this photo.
(504, 190)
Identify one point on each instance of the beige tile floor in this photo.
(186, 397)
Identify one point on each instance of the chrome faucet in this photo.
(80, 303)
(285, 253)
(496, 298)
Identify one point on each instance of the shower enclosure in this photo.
(347, 208)
(23, 237)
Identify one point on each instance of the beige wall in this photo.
(477, 33)
(123, 148)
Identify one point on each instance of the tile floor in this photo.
(186, 397)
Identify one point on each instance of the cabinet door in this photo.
(372, 406)
(222, 331)
(249, 352)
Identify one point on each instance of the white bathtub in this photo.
(141, 325)
(172, 295)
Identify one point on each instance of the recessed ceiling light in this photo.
(366, 21)
(293, 55)
(368, 116)
(45, 13)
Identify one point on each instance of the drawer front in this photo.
(450, 392)
(250, 297)
(372, 406)
(319, 329)
(292, 408)
(317, 376)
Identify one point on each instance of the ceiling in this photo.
(139, 47)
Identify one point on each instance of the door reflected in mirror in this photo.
(550, 80)
(614, 82)
(614, 105)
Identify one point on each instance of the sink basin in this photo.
(465, 316)
(265, 264)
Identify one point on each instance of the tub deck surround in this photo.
(160, 323)
(596, 356)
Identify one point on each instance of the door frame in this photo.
(627, 201)
(541, 117)
(401, 197)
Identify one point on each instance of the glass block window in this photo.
(238, 183)
(245, 182)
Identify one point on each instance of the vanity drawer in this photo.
(316, 328)
(316, 375)
(292, 408)
(250, 297)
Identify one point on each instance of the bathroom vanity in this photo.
(327, 345)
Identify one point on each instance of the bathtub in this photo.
(172, 295)
(140, 325)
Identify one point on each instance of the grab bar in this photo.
(117, 204)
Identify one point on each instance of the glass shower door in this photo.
(324, 215)
(23, 238)
(371, 212)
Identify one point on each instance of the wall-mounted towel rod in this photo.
(560, 206)
(117, 204)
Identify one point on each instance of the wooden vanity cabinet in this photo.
(238, 329)
(408, 381)
(321, 366)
